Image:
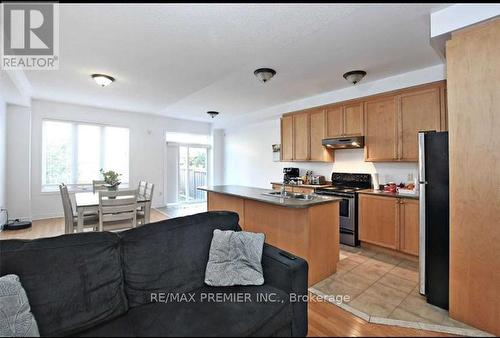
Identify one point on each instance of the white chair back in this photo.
(148, 193)
(68, 209)
(117, 206)
(142, 188)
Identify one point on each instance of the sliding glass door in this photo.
(193, 163)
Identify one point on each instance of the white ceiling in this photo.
(183, 60)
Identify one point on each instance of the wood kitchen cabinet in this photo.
(353, 119)
(301, 137)
(409, 226)
(392, 124)
(345, 120)
(381, 130)
(318, 128)
(418, 111)
(298, 189)
(287, 138)
(378, 220)
(389, 222)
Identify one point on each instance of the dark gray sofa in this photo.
(108, 284)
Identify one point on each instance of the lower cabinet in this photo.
(389, 222)
(298, 189)
(409, 226)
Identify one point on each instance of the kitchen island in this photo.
(307, 227)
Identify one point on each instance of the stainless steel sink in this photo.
(302, 197)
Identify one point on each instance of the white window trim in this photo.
(54, 188)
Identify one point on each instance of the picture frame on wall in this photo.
(276, 152)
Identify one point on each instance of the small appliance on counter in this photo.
(318, 180)
(291, 175)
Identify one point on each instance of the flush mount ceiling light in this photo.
(102, 79)
(354, 76)
(213, 113)
(264, 74)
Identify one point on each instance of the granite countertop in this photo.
(258, 194)
(312, 186)
(388, 194)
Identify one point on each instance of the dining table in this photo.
(88, 202)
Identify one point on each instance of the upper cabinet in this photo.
(287, 138)
(302, 135)
(318, 127)
(380, 130)
(345, 120)
(418, 111)
(353, 119)
(390, 123)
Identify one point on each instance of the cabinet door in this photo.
(353, 120)
(301, 138)
(418, 111)
(287, 138)
(409, 226)
(334, 121)
(379, 220)
(318, 133)
(301, 190)
(381, 130)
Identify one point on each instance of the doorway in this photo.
(193, 173)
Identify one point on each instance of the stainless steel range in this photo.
(345, 186)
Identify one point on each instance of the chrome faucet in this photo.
(283, 189)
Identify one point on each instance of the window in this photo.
(73, 153)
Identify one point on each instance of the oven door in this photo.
(347, 210)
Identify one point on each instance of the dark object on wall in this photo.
(134, 273)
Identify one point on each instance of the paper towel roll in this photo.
(376, 183)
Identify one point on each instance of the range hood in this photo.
(344, 142)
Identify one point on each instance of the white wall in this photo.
(248, 153)
(3, 153)
(18, 162)
(248, 159)
(147, 148)
(458, 16)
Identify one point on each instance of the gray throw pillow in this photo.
(16, 319)
(235, 259)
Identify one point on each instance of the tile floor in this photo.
(384, 288)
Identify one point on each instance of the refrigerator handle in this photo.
(422, 180)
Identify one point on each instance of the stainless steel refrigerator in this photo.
(434, 217)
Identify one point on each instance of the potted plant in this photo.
(112, 179)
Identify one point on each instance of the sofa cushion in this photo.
(16, 319)
(73, 282)
(207, 317)
(170, 256)
(235, 259)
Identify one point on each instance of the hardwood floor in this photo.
(325, 320)
(55, 227)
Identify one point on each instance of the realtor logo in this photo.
(30, 36)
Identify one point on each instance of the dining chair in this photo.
(142, 187)
(70, 219)
(117, 207)
(98, 185)
(148, 195)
